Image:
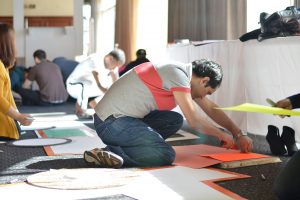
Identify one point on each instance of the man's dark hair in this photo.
(208, 68)
(141, 53)
(118, 55)
(40, 54)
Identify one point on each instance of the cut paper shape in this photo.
(188, 156)
(194, 161)
(182, 135)
(33, 128)
(234, 156)
(248, 107)
(83, 179)
(57, 133)
(38, 142)
(166, 183)
(115, 196)
(78, 145)
(199, 149)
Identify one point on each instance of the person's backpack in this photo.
(280, 24)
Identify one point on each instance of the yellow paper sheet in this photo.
(248, 107)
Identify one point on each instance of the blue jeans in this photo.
(140, 142)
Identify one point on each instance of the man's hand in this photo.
(244, 143)
(95, 74)
(285, 104)
(226, 139)
(78, 110)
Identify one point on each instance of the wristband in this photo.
(240, 134)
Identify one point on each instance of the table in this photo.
(253, 71)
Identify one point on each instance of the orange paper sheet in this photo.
(234, 156)
(186, 159)
(201, 155)
(188, 156)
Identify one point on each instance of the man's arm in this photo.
(96, 77)
(114, 75)
(290, 103)
(223, 120)
(22, 118)
(189, 109)
(27, 84)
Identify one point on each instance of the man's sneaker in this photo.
(103, 158)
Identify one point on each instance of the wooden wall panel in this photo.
(6, 20)
(43, 21)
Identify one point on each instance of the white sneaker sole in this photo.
(103, 159)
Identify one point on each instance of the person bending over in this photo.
(134, 117)
(90, 79)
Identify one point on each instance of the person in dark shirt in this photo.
(140, 58)
(49, 79)
(66, 66)
(286, 185)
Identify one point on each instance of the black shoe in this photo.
(274, 140)
(288, 138)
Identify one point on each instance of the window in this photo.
(87, 40)
(106, 15)
(152, 28)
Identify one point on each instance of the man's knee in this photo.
(159, 157)
(170, 156)
(178, 119)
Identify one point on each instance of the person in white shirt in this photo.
(90, 80)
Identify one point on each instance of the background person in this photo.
(48, 76)
(9, 114)
(90, 80)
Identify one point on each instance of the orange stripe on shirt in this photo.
(164, 98)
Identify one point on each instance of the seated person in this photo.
(140, 58)
(66, 66)
(17, 77)
(135, 124)
(90, 79)
(286, 185)
(50, 82)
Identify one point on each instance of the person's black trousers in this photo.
(287, 184)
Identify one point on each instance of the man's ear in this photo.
(205, 80)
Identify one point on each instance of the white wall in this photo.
(19, 28)
(55, 41)
(152, 28)
(6, 7)
(105, 26)
(255, 7)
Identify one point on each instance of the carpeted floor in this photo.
(17, 162)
